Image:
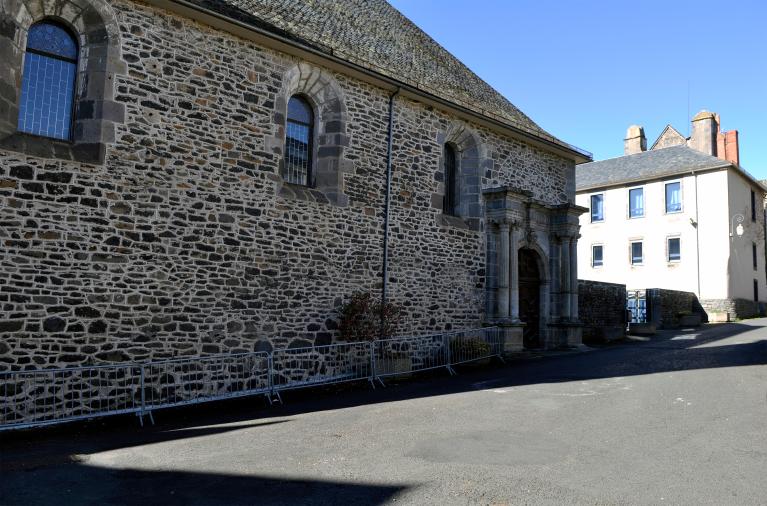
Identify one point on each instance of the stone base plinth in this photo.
(565, 334)
(512, 335)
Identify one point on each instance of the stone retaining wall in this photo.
(731, 309)
(602, 309)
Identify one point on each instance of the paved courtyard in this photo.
(679, 419)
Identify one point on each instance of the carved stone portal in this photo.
(532, 279)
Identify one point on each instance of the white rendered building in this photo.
(677, 217)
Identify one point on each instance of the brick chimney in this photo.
(635, 141)
(705, 128)
(727, 146)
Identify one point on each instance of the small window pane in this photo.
(673, 198)
(753, 205)
(674, 249)
(756, 291)
(298, 141)
(450, 202)
(300, 111)
(636, 252)
(596, 256)
(597, 208)
(636, 202)
(755, 256)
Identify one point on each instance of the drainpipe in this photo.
(387, 198)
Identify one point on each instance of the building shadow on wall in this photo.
(84, 484)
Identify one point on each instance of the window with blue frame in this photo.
(673, 197)
(636, 203)
(597, 208)
(48, 81)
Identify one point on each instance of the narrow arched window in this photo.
(450, 201)
(48, 81)
(298, 141)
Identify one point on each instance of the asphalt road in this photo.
(680, 419)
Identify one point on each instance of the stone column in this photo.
(503, 270)
(574, 278)
(514, 263)
(564, 278)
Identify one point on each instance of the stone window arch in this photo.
(470, 161)
(329, 138)
(94, 112)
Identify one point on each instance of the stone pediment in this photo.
(669, 137)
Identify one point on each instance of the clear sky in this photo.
(586, 70)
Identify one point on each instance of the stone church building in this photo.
(212, 176)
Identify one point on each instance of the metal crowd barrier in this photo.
(44, 397)
(404, 355)
(320, 365)
(183, 381)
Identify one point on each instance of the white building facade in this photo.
(676, 218)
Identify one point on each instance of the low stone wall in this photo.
(667, 307)
(602, 309)
(731, 309)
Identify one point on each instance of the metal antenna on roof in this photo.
(688, 108)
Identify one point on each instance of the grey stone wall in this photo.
(735, 308)
(667, 306)
(186, 240)
(602, 310)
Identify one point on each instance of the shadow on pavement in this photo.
(680, 351)
(83, 484)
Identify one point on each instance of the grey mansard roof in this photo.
(644, 166)
(376, 36)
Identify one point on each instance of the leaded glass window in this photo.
(450, 202)
(48, 81)
(298, 141)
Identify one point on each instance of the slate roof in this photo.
(643, 166)
(376, 36)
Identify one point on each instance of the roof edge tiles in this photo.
(649, 166)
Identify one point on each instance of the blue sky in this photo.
(586, 70)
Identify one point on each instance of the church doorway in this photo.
(530, 297)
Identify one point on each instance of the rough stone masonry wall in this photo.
(180, 243)
(669, 305)
(602, 310)
(735, 308)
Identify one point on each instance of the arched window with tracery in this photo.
(450, 200)
(48, 81)
(299, 132)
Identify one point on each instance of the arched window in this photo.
(450, 201)
(298, 141)
(48, 81)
